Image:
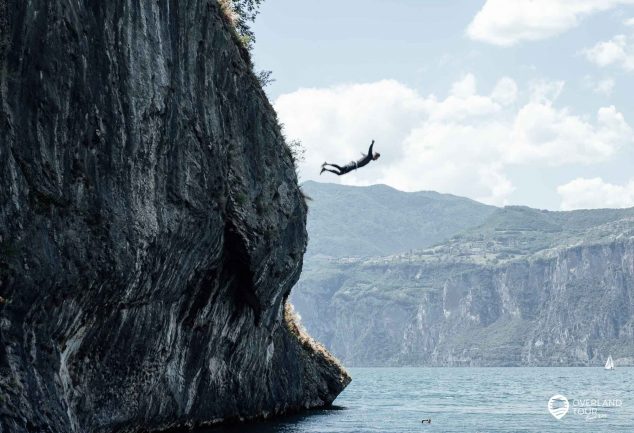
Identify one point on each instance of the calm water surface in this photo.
(468, 400)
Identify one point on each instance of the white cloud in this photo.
(463, 101)
(604, 87)
(464, 87)
(338, 120)
(464, 144)
(505, 22)
(618, 51)
(556, 137)
(505, 91)
(545, 91)
(629, 22)
(600, 86)
(594, 193)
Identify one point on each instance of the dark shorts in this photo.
(348, 167)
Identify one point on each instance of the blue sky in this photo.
(507, 102)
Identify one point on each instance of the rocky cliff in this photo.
(527, 287)
(151, 226)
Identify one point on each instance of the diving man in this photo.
(353, 165)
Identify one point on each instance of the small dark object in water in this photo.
(428, 421)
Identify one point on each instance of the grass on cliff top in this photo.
(292, 320)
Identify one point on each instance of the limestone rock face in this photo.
(572, 307)
(151, 225)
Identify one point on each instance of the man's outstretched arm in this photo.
(370, 150)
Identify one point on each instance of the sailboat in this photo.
(609, 364)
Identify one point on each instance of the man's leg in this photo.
(339, 171)
(332, 171)
(332, 165)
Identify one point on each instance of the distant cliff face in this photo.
(525, 287)
(572, 308)
(151, 226)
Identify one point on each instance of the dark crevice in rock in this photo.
(237, 267)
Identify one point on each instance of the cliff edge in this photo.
(151, 225)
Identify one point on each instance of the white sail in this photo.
(609, 364)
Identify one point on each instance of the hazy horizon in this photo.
(302, 182)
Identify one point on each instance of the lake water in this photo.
(466, 400)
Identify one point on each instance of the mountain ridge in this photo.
(378, 219)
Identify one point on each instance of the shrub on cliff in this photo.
(241, 13)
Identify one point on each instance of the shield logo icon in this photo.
(558, 406)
